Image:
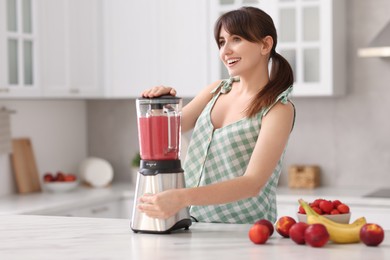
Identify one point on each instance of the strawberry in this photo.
(301, 210)
(318, 210)
(326, 206)
(334, 212)
(336, 203)
(343, 208)
(317, 202)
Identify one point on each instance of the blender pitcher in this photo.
(159, 127)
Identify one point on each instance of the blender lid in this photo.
(165, 99)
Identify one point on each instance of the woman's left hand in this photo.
(161, 205)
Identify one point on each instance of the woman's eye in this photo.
(221, 43)
(236, 39)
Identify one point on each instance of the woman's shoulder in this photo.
(282, 101)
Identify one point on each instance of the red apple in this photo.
(297, 232)
(284, 224)
(316, 235)
(371, 234)
(60, 176)
(259, 233)
(48, 177)
(267, 223)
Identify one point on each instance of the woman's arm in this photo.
(275, 130)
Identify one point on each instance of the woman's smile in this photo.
(232, 61)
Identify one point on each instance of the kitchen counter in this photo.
(39, 203)
(352, 196)
(46, 202)
(47, 237)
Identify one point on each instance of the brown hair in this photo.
(253, 25)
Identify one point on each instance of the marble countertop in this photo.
(46, 237)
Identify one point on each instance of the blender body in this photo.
(159, 130)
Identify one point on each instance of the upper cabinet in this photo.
(69, 34)
(105, 48)
(118, 48)
(183, 47)
(152, 42)
(311, 36)
(18, 49)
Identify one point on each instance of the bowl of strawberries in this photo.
(334, 210)
(59, 182)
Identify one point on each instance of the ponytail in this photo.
(280, 79)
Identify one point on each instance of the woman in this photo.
(241, 128)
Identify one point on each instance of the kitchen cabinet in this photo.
(311, 36)
(70, 48)
(183, 46)
(19, 42)
(130, 40)
(151, 42)
(118, 48)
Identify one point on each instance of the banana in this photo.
(338, 233)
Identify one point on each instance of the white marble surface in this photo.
(45, 237)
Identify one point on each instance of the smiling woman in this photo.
(235, 155)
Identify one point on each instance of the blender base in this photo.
(184, 223)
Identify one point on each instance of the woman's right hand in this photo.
(159, 91)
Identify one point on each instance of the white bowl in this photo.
(339, 218)
(96, 172)
(62, 186)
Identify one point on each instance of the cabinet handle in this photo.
(74, 90)
(4, 90)
(99, 210)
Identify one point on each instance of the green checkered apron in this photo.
(218, 155)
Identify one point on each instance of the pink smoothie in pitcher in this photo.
(154, 143)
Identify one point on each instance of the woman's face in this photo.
(239, 55)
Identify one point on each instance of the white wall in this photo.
(57, 129)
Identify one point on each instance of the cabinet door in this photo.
(311, 36)
(18, 49)
(130, 44)
(183, 33)
(69, 33)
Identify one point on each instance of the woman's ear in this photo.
(268, 43)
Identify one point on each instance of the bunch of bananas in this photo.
(338, 233)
